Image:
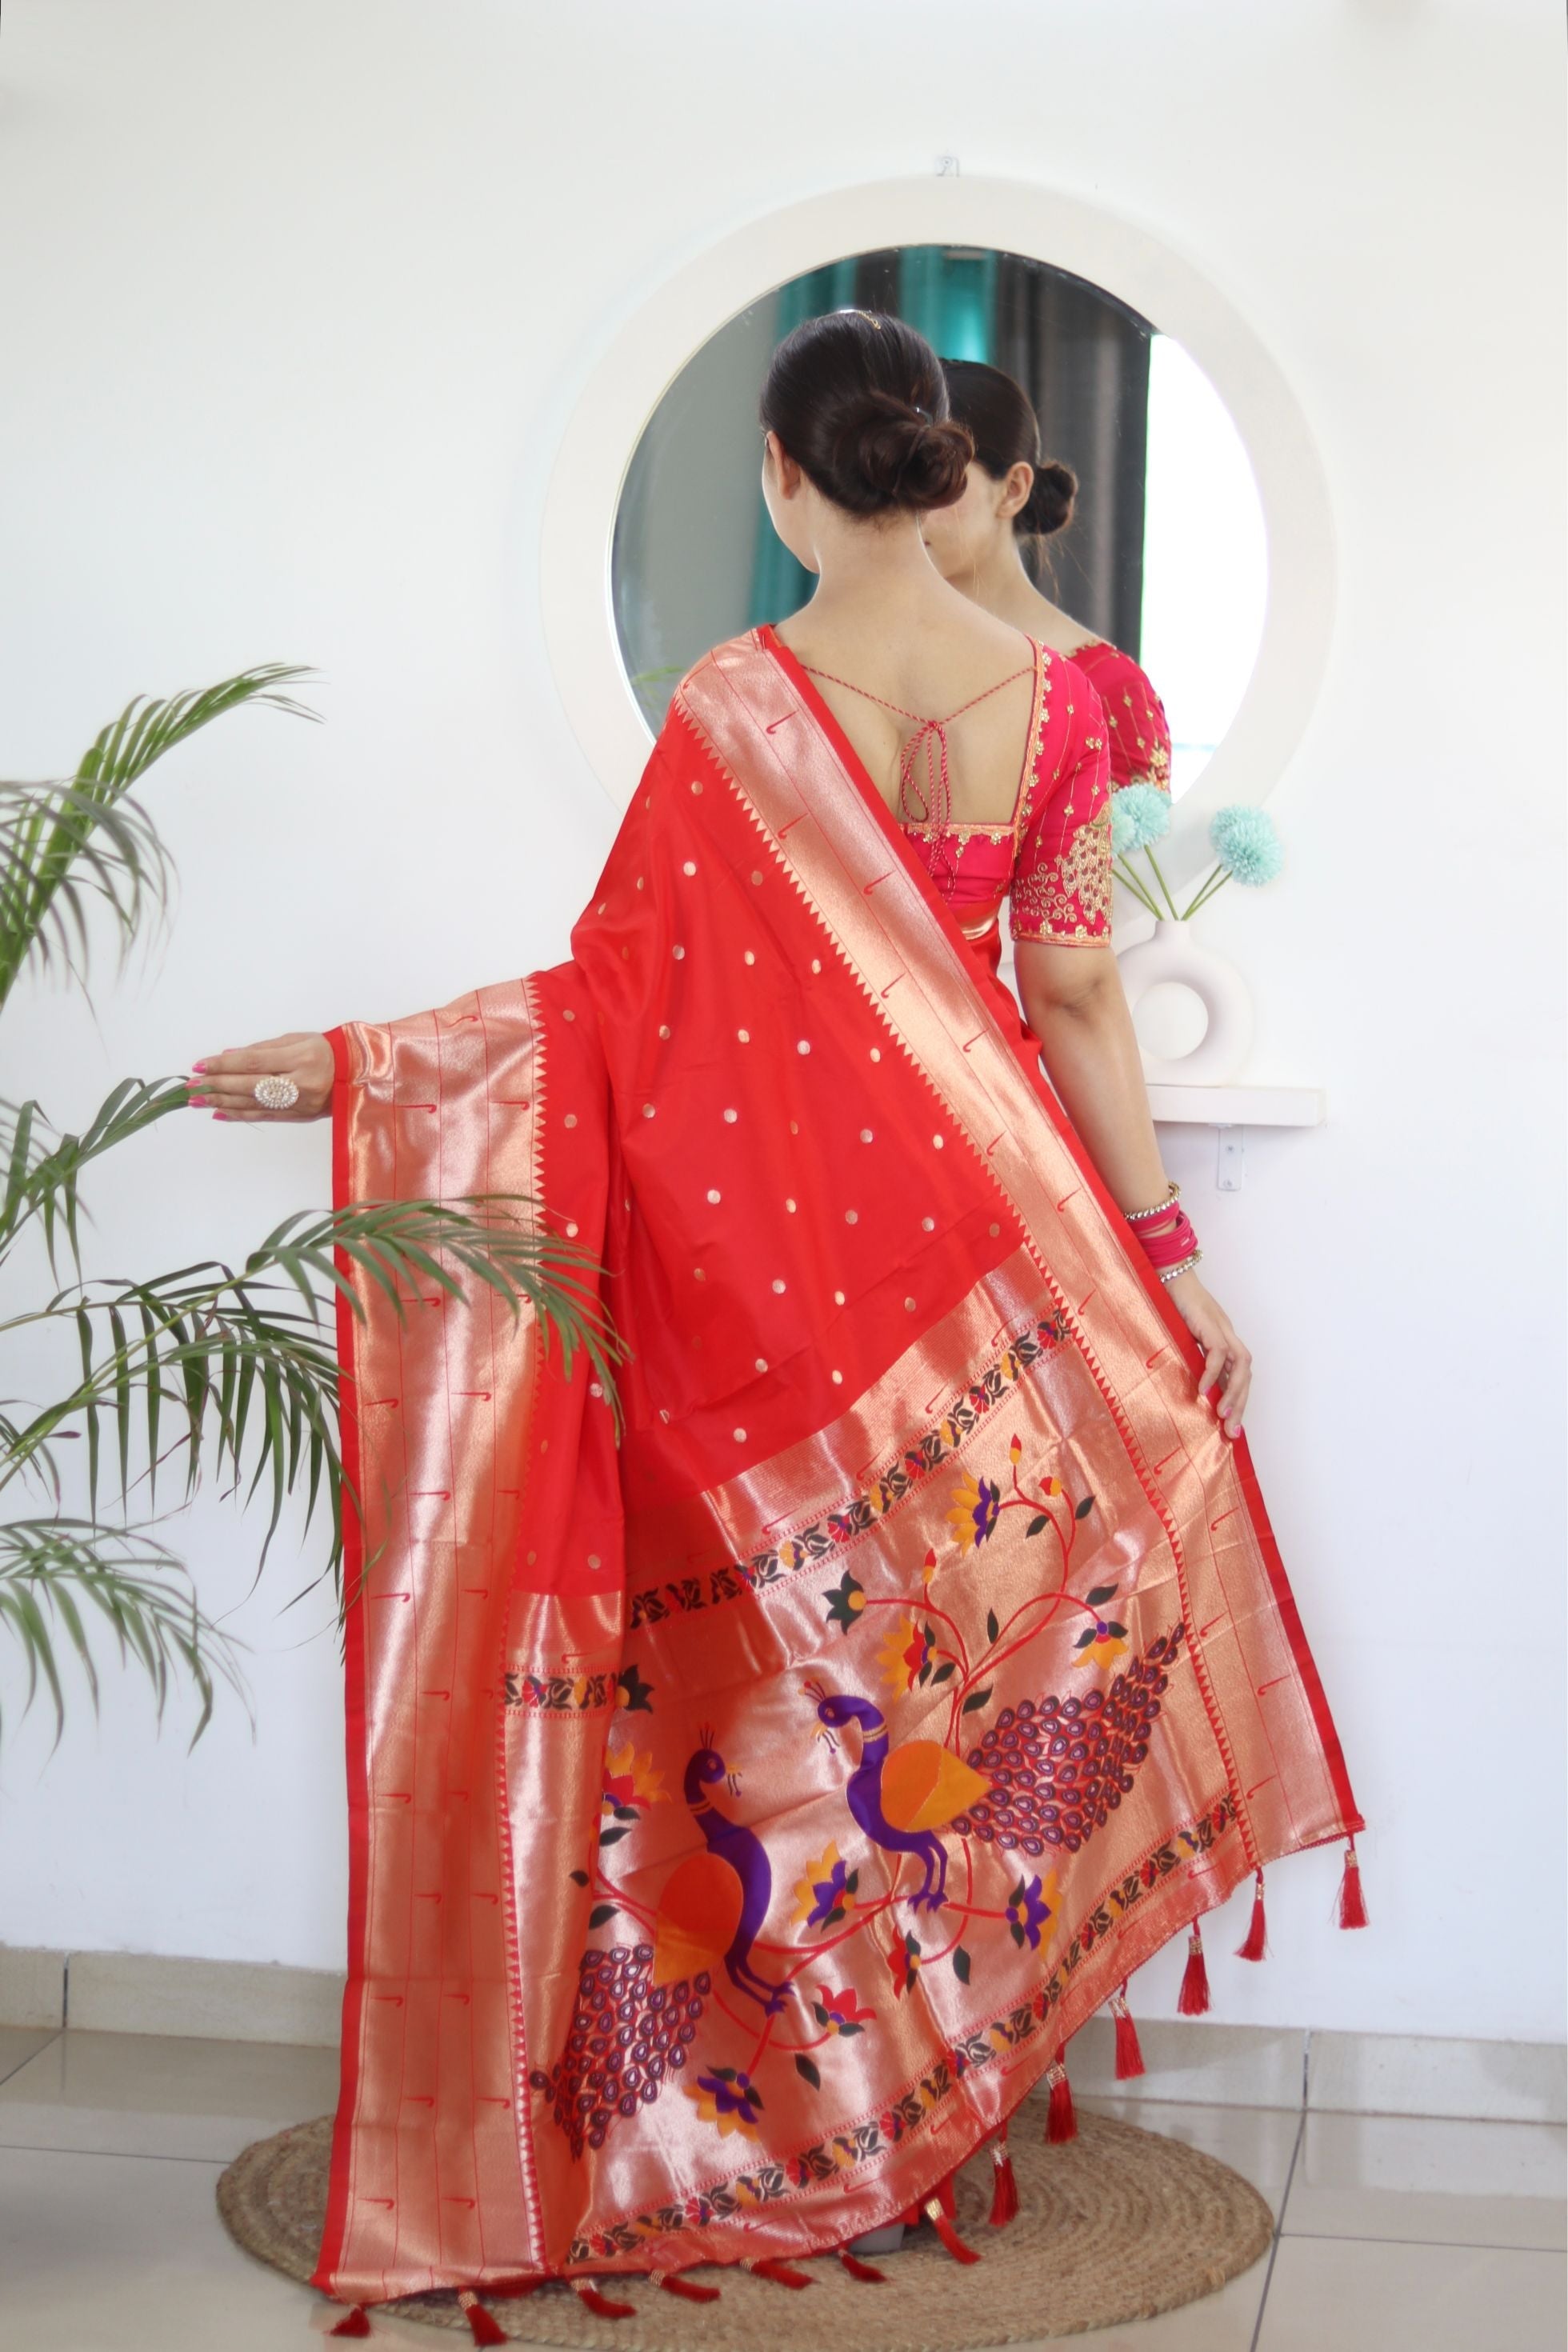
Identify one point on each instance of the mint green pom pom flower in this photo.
(1244, 842)
(1139, 813)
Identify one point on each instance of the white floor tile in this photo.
(1257, 2142)
(149, 2095)
(20, 2042)
(125, 2253)
(1359, 2296)
(1447, 2183)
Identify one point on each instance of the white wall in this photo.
(295, 303)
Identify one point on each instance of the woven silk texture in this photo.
(743, 1813)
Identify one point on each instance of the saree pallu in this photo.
(744, 1814)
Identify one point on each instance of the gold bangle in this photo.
(1185, 1267)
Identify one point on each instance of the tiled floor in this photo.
(1397, 2235)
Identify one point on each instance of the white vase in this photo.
(1175, 965)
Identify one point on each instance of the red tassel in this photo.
(1256, 1942)
(673, 2283)
(945, 2197)
(1128, 2056)
(353, 2323)
(601, 2305)
(1061, 2118)
(1193, 2000)
(1352, 1902)
(868, 2272)
(481, 2326)
(947, 2233)
(780, 2272)
(1004, 2194)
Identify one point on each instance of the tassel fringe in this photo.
(482, 2327)
(601, 2305)
(781, 2273)
(1256, 1942)
(1128, 2056)
(353, 2323)
(673, 2283)
(867, 2272)
(1061, 2118)
(1352, 1902)
(947, 2233)
(1004, 2193)
(1193, 2000)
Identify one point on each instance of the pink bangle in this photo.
(1170, 1242)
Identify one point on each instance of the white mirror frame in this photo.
(648, 349)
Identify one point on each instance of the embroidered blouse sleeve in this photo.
(1061, 881)
(1138, 732)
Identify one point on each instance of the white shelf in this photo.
(1239, 1105)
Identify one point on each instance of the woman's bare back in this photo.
(885, 662)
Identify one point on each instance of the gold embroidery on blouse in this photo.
(1035, 750)
(1067, 897)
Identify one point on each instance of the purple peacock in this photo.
(714, 1902)
(1048, 1772)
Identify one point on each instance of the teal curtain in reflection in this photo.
(948, 297)
(779, 584)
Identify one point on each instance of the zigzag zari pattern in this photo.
(817, 1542)
(744, 2192)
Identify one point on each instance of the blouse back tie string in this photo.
(925, 798)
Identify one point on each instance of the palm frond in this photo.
(238, 1371)
(65, 843)
(40, 1171)
(61, 1580)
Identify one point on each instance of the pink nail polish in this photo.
(220, 1114)
(199, 1102)
(198, 1065)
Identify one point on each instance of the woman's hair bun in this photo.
(1049, 504)
(892, 456)
(1001, 421)
(859, 402)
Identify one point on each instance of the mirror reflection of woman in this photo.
(1014, 498)
(721, 1876)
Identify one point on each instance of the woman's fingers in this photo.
(224, 1084)
(1238, 1388)
(1215, 1354)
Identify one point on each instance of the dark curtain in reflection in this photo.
(1083, 359)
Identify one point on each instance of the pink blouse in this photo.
(1052, 859)
(1136, 731)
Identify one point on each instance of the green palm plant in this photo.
(211, 1370)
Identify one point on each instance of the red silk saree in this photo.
(743, 1814)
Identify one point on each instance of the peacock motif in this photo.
(714, 1902)
(901, 1796)
(629, 2035)
(1057, 1769)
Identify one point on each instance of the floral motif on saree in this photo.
(743, 1813)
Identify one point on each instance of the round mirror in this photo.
(1165, 555)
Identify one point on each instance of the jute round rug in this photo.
(1115, 2226)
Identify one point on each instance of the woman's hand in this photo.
(1228, 1366)
(224, 1084)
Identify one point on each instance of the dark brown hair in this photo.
(859, 402)
(1005, 432)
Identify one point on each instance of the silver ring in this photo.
(276, 1093)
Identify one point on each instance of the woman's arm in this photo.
(1073, 1002)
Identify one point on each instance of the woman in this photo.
(1011, 494)
(746, 1808)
